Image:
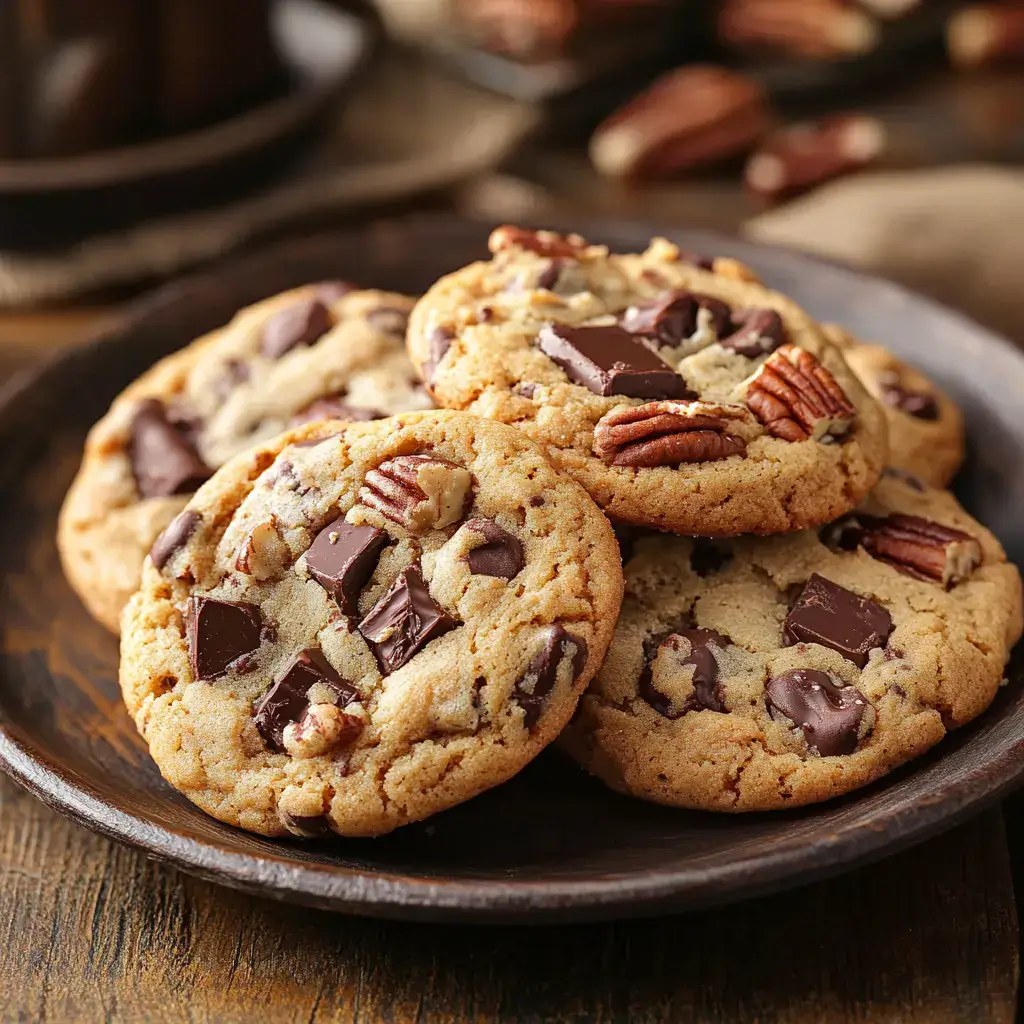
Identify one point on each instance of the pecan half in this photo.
(666, 434)
(797, 398)
(544, 243)
(984, 34)
(810, 28)
(919, 547)
(799, 157)
(691, 117)
(418, 491)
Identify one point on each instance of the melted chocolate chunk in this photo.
(309, 826)
(343, 558)
(828, 712)
(707, 695)
(707, 557)
(300, 324)
(163, 462)
(920, 404)
(828, 614)
(441, 339)
(532, 690)
(610, 361)
(502, 554)
(389, 320)
(174, 538)
(219, 632)
(674, 316)
(335, 408)
(756, 332)
(404, 621)
(287, 699)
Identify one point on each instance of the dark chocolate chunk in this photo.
(218, 633)
(527, 389)
(389, 320)
(757, 332)
(828, 711)
(542, 673)
(334, 408)
(501, 555)
(707, 557)
(287, 699)
(309, 826)
(920, 404)
(235, 372)
(174, 538)
(610, 361)
(706, 694)
(674, 316)
(331, 291)
(404, 621)
(343, 558)
(697, 260)
(163, 462)
(441, 339)
(828, 614)
(300, 324)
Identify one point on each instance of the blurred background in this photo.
(140, 139)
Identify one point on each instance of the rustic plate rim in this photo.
(407, 896)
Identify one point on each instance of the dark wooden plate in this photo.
(553, 844)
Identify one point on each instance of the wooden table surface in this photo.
(97, 932)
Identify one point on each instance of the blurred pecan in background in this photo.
(984, 34)
(690, 117)
(794, 159)
(811, 28)
(532, 30)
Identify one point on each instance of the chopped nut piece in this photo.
(797, 398)
(419, 492)
(262, 552)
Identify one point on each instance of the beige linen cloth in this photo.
(955, 233)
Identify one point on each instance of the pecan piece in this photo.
(666, 434)
(810, 28)
(691, 117)
(981, 35)
(797, 158)
(797, 398)
(544, 243)
(920, 548)
(418, 491)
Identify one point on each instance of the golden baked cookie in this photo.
(352, 627)
(681, 398)
(926, 427)
(765, 673)
(321, 351)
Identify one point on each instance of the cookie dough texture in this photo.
(474, 338)
(228, 395)
(940, 667)
(928, 440)
(449, 723)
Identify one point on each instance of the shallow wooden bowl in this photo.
(553, 844)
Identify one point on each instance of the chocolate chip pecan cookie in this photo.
(764, 673)
(680, 397)
(354, 626)
(326, 350)
(926, 428)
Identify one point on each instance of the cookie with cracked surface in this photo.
(926, 427)
(367, 623)
(680, 397)
(765, 673)
(323, 351)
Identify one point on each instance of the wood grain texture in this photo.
(93, 931)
